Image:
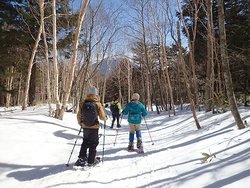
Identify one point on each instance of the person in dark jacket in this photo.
(90, 134)
(115, 108)
(135, 111)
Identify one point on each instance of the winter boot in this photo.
(131, 146)
(97, 160)
(140, 150)
(81, 162)
(119, 126)
(139, 146)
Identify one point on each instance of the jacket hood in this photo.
(134, 102)
(91, 97)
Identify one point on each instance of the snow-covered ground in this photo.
(35, 148)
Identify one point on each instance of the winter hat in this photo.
(135, 96)
(93, 90)
(115, 97)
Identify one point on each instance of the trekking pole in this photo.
(121, 120)
(74, 146)
(117, 130)
(103, 144)
(148, 131)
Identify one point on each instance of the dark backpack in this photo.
(89, 113)
(114, 108)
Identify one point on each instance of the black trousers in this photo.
(115, 117)
(90, 141)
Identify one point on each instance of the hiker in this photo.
(87, 117)
(115, 108)
(135, 111)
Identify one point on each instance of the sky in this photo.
(35, 148)
(116, 3)
(127, 20)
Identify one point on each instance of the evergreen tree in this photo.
(14, 44)
(237, 22)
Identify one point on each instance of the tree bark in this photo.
(27, 83)
(9, 86)
(129, 80)
(55, 65)
(186, 80)
(226, 68)
(46, 52)
(209, 85)
(191, 44)
(164, 64)
(75, 50)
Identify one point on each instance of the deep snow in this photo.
(35, 148)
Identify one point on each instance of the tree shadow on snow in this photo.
(180, 179)
(29, 172)
(63, 134)
(36, 121)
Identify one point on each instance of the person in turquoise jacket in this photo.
(135, 111)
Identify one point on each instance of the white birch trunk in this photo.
(56, 72)
(129, 80)
(46, 51)
(25, 101)
(75, 50)
(9, 87)
(164, 64)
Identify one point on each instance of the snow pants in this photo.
(115, 117)
(90, 141)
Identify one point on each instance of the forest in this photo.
(171, 52)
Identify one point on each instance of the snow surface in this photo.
(35, 148)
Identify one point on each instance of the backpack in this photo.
(89, 113)
(114, 108)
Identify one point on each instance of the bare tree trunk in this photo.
(148, 71)
(225, 66)
(149, 103)
(75, 49)
(56, 72)
(46, 51)
(191, 47)
(164, 63)
(19, 90)
(9, 87)
(129, 80)
(26, 92)
(186, 80)
(119, 81)
(32, 87)
(179, 96)
(209, 86)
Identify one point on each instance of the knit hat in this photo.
(93, 90)
(135, 96)
(115, 97)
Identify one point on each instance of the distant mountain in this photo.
(108, 65)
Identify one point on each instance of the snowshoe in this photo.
(140, 150)
(87, 166)
(131, 148)
(80, 163)
(97, 161)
